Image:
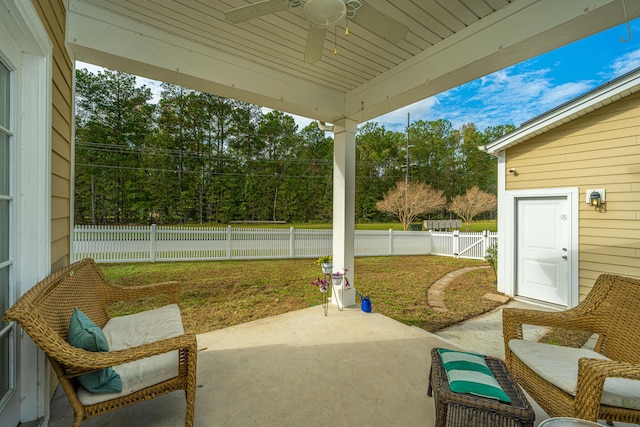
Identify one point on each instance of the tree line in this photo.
(193, 157)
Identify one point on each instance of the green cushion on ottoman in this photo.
(469, 373)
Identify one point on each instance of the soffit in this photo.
(449, 42)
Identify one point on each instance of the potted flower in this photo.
(337, 278)
(326, 263)
(321, 284)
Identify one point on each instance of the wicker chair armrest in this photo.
(514, 318)
(592, 374)
(78, 361)
(120, 293)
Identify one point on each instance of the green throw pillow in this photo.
(469, 373)
(85, 334)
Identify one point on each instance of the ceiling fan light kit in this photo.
(323, 14)
(326, 13)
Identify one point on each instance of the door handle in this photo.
(564, 257)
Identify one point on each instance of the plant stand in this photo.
(336, 285)
(325, 302)
(339, 296)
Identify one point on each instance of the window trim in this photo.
(29, 53)
(10, 329)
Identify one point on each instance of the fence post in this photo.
(485, 242)
(390, 241)
(153, 237)
(229, 235)
(456, 243)
(292, 242)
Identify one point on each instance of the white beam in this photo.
(138, 49)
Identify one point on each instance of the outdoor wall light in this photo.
(595, 198)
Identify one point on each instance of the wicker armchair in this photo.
(610, 310)
(44, 313)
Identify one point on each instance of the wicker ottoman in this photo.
(466, 410)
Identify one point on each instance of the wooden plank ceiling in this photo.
(274, 45)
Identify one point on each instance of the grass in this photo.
(219, 294)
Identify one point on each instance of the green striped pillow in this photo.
(469, 373)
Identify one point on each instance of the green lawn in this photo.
(219, 294)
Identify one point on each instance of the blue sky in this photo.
(520, 92)
(526, 90)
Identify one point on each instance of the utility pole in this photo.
(406, 172)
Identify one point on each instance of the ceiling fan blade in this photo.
(380, 24)
(315, 44)
(255, 10)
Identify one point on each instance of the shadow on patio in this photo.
(302, 368)
(299, 368)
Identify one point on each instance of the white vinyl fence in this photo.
(463, 244)
(165, 243)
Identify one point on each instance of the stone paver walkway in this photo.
(434, 294)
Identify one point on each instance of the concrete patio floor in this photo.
(299, 368)
(306, 369)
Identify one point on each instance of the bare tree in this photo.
(475, 202)
(408, 200)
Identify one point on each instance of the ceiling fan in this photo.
(322, 14)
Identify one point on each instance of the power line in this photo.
(200, 172)
(123, 149)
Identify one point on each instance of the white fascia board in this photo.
(519, 31)
(579, 107)
(106, 39)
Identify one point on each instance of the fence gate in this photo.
(471, 245)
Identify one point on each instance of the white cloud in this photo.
(563, 93)
(397, 120)
(626, 63)
(511, 96)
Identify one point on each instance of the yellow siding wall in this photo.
(52, 15)
(599, 150)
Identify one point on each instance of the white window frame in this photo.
(27, 50)
(10, 329)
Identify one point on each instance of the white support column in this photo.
(344, 195)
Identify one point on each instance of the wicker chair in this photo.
(44, 313)
(610, 310)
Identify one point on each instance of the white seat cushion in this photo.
(559, 366)
(137, 329)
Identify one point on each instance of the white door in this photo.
(542, 245)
